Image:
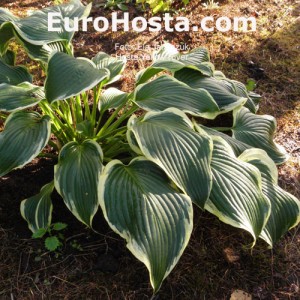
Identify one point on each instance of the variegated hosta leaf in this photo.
(24, 136)
(19, 97)
(112, 98)
(238, 89)
(166, 64)
(6, 33)
(35, 30)
(168, 139)
(33, 33)
(255, 98)
(219, 90)
(172, 65)
(42, 53)
(258, 131)
(285, 208)
(166, 50)
(113, 64)
(236, 197)
(241, 90)
(219, 75)
(68, 76)
(76, 178)
(37, 210)
(6, 16)
(170, 60)
(165, 92)
(13, 75)
(9, 58)
(238, 147)
(139, 204)
(193, 58)
(36, 52)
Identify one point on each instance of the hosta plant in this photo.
(147, 171)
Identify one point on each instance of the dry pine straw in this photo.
(215, 262)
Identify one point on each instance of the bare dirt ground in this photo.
(216, 261)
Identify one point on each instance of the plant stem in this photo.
(74, 121)
(56, 122)
(96, 94)
(69, 48)
(78, 109)
(66, 112)
(126, 115)
(109, 121)
(87, 113)
(111, 133)
(63, 131)
(99, 121)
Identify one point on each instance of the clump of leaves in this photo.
(160, 5)
(112, 4)
(145, 172)
(154, 5)
(55, 238)
(210, 4)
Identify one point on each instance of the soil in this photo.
(97, 265)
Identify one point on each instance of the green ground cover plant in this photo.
(159, 5)
(143, 157)
(155, 6)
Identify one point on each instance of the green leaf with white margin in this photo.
(13, 75)
(42, 53)
(238, 89)
(168, 139)
(167, 50)
(6, 16)
(168, 59)
(285, 208)
(166, 64)
(19, 97)
(24, 136)
(76, 178)
(258, 131)
(112, 98)
(238, 147)
(171, 65)
(241, 90)
(113, 64)
(33, 33)
(163, 59)
(35, 52)
(140, 204)
(165, 92)
(195, 57)
(9, 58)
(220, 92)
(34, 28)
(69, 76)
(236, 197)
(37, 210)
(6, 33)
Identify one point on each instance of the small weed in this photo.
(55, 238)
